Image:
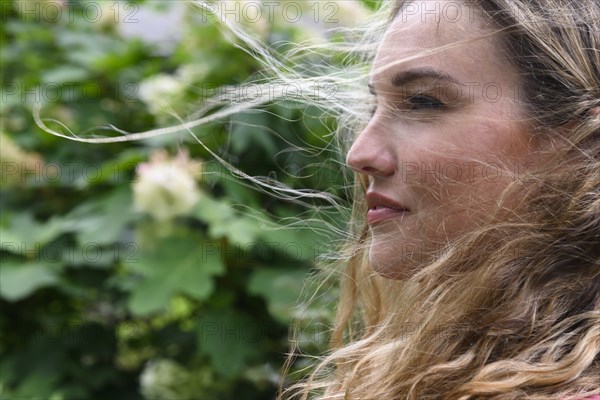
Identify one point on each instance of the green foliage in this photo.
(99, 298)
(174, 265)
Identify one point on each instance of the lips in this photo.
(382, 208)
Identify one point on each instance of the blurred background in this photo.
(146, 270)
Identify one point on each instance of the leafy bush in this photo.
(146, 269)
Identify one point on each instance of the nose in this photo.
(371, 153)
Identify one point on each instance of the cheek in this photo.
(461, 179)
(439, 175)
(467, 154)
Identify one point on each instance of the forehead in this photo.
(451, 35)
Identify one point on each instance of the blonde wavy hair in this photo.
(510, 310)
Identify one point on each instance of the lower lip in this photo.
(383, 214)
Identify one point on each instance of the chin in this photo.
(395, 261)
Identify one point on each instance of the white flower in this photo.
(160, 92)
(163, 379)
(166, 188)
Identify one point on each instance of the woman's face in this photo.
(446, 138)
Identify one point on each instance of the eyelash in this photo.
(431, 104)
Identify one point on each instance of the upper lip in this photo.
(375, 200)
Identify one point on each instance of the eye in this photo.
(423, 102)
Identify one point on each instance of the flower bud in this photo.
(165, 187)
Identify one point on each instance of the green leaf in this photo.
(223, 222)
(213, 212)
(101, 222)
(250, 129)
(25, 235)
(37, 386)
(237, 192)
(300, 244)
(18, 281)
(94, 256)
(114, 171)
(240, 231)
(281, 289)
(230, 339)
(65, 74)
(175, 265)
(86, 49)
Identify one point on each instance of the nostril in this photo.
(359, 165)
(369, 170)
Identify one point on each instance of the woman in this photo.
(477, 271)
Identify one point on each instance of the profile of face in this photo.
(447, 135)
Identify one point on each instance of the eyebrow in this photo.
(404, 77)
